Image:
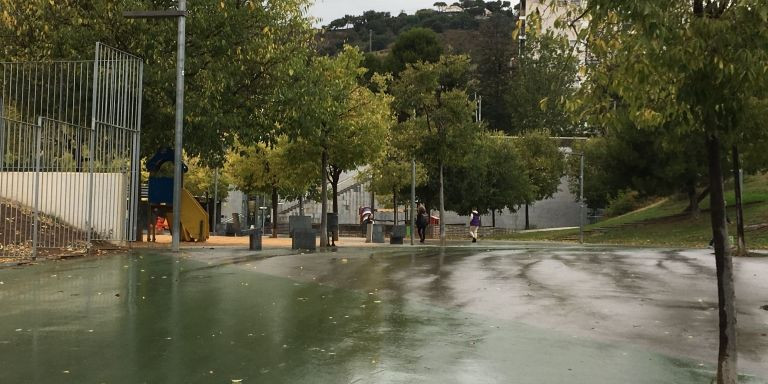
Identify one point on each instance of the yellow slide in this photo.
(194, 219)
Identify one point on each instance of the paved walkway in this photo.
(472, 313)
(281, 242)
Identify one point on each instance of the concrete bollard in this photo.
(377, 233)
(398, 234)
(304, 239)
(254, 241)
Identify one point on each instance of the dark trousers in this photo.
(422, 231)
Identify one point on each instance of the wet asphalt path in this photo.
(486, 314)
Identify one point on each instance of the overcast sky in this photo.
(329, 10)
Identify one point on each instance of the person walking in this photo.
(474, 224)
(421, 223)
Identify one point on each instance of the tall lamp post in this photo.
(180, 14)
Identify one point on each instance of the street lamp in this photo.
(180, 14)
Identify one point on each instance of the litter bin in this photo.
(398, 234)
(377, 233)
(304, 239)
(254, 241)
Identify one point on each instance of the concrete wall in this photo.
(561, 210)
(65, 195)
(232, 204)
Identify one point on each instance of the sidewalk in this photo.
(282, 242)
(546, 229)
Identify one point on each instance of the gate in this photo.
(69, 140)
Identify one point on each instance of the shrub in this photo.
(625, 201)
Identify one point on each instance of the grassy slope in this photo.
(663, 223)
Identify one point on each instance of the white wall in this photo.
(65, 196)
(232, 204)
(562, 210)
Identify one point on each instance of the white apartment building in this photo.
(549, 12)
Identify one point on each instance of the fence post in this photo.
(36, 227)
(581, 198)
(2, 132)
(135, 161)
(92, 147)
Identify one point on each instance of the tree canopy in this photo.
(331, 108)
(434, 104)
(238, 55)
(686, 69)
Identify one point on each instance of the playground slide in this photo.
(194, 219)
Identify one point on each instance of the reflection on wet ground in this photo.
(500, 314)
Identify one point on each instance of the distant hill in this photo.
(457, 25)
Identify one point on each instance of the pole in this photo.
(373, 200)
(523, 14)
(478, 108)
(215, 198)
(179, 128)
(581, 199)
(413, 198)
(38, 154)
(741, 244)
(92, 144)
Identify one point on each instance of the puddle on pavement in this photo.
(157, 319)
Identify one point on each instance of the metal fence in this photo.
(69, 140)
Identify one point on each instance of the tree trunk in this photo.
(527, 222)
(373, 202)
(274, 211)
(741, 248)
(335, 175)
(493, 217)
(301, 205)
(442, 206)
(693, 201)
(727, 371)
(394, 204)
(324, 201)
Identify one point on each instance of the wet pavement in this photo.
(496, 313)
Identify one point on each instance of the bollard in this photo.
(304, 239)
(377, 233)
(254, 240)
(398, 234)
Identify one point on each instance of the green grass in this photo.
(663, 223)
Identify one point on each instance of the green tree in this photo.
(496, 50)
(360, 133)
(628, 158)
(335, 112)
(489, 179)
(544, 77)
(432, 99)
(414, 45)
(202, 181)
(542, 164)
(238, 55)
(284, 169)
(600, 182)
(390, 172)
(688, 68)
